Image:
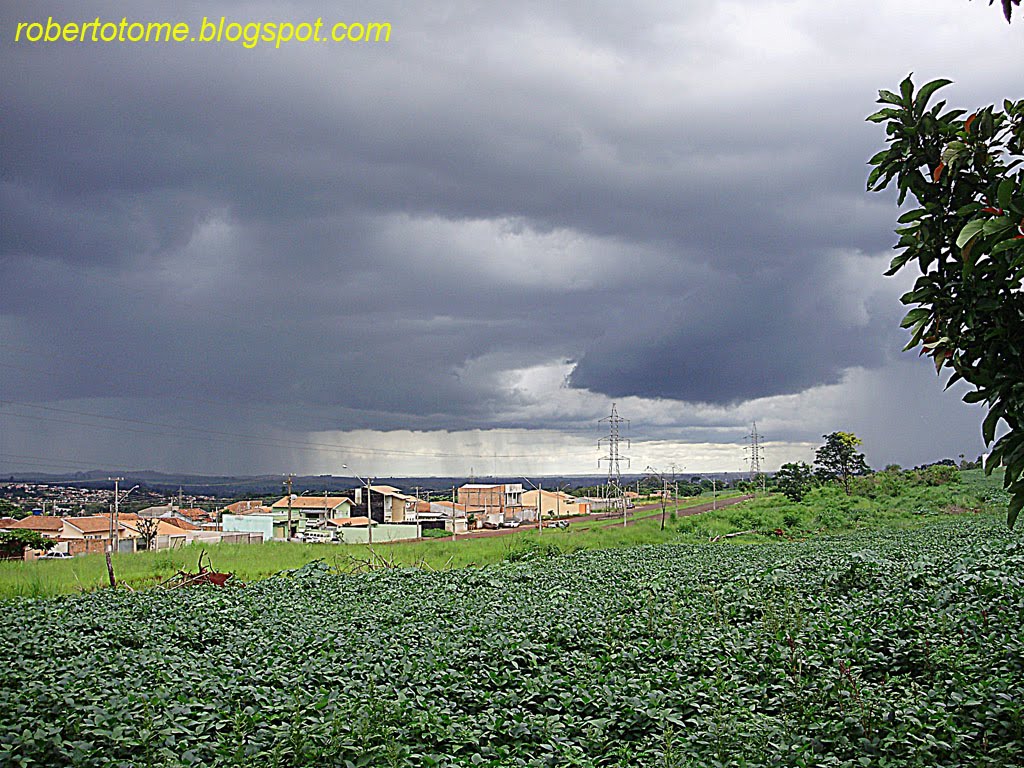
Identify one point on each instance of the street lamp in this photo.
(114, 525)
(115, 517)
(664, 489)
(369, 508)
(540, 505)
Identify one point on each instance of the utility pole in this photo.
(614, 458)
(113, 528)
(714, 494)
(540, 508)
(675, 488)
(755, 456)
(454, 510)
(288, 484)
(664, 493)
(369, 515)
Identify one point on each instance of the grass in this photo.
(825, 510)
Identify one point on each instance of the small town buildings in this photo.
(307, 512)
(194, 515)
(455, 517)
(555, 503)
(244, 507)
(387, 505)
(501, 502)
(158, 511)
(268, 525)
(93, 533)
(398, 507)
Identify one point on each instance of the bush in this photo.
(531, 549)
(436, 533)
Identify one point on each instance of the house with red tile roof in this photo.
(47, 525)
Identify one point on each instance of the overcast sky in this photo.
(456, 250)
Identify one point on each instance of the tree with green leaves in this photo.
(965, 233)
(838, 459)
(9, 509)
(13, 543)
(794, 480)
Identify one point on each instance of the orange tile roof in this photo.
(245, 507)
(39, 523)
(312, 502)
(184, 525)
(194, 513)
(91, 524)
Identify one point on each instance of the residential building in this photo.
(307, 512)
(451, 515)
(47, 525)
(92, 533)
(389, 505)
(245, 507)
(501, 502)
(555, 503)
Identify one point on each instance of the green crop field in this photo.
(880, 648)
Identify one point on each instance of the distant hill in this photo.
(227, 486)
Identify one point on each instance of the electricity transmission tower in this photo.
(755, 455)
(614, 458)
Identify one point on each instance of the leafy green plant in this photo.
(794, 480)
(966, 236)
(13, 543)
(894, 648)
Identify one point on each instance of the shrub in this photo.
(436, 533)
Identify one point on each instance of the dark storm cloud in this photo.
(375, 236)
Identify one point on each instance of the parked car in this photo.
(510, 524)
(557, 524)
(55, 556)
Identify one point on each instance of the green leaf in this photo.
(988, 427)
(976, 396)
(926, 93)
(1005, 193)
(953, 151)
(907, 91)
(995, 226)
(1007, 245)
(914, 215)
(888, 97)
(967, 210)
(1016, 504)
(883, 114)
(898, 261)
(916, 316)
(969, 231)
